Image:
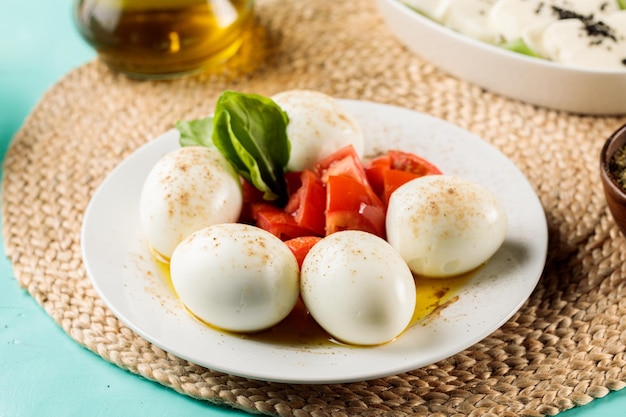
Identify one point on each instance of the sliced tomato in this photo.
(308, 203)
(300, 246)
(294, 181)
(352, 205)
(406, 161)
(277, 222)
(375, 170)
(383, 161)
(251, 195)
(393, 179)
(344, 161)
(387, 172)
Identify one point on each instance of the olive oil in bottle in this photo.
(159, 39)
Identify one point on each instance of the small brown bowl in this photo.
(615, 195)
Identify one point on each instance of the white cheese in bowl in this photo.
(595, 44)
(468, 17)
(580, 33)
(511, 18)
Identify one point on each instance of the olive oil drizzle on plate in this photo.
(300, 329)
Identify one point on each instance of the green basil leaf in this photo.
(197, 132)
(251, 132)
(240, 158)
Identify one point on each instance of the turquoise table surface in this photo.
(43, 372)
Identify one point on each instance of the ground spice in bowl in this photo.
(617, 167)
(613, 175)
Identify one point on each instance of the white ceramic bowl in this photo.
(532, 80)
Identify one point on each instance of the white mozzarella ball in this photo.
(188, 189)
(434, 9)
(469, 17)
(318, 126)
(562, 42)
(511, 18)
(357, 287)
(236, 277)
(444, 225)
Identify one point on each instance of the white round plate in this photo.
(532, 80)
(128, 280)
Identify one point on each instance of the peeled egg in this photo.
(318, 126)
(358, 288)
(445, 225)
(235, 277)
(186, 190)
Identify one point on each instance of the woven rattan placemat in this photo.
(565, 347)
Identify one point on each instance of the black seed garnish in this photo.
(593, 28)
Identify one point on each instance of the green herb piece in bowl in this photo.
(520, 47)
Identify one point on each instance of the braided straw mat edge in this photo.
(565, 347)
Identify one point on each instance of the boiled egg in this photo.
(444, 225)
(186, 190)
(358, 288)
(235, 277)
(318, 126)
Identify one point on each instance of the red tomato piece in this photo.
(277, 222)
(300, 246)
(308, 203)
(375, 170)
(251, 196)
(406, 161)
(344, 161)
(387, 172)
(383, 161)
(352, 205)
(393, 179)
(294, 181)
